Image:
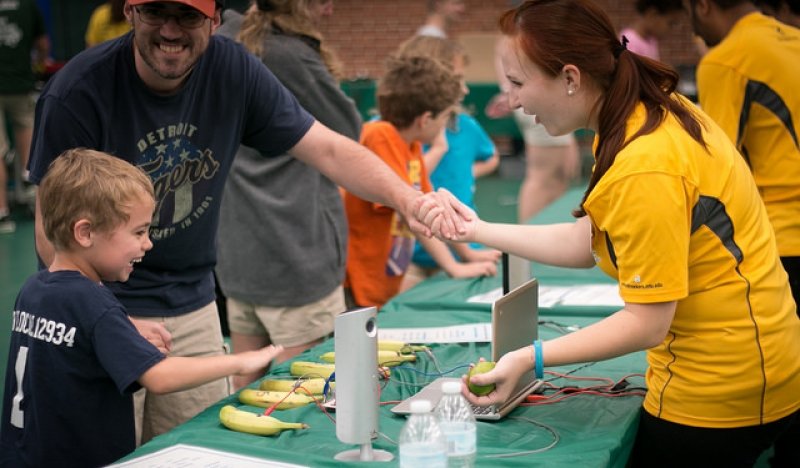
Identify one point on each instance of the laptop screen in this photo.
(516, 271)
(515, 320)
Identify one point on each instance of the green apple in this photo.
(480, 368)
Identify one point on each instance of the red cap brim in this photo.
(206, 7)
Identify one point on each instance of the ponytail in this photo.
(636, 79)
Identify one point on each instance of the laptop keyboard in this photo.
(483, 410)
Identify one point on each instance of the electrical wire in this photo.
(560, 376)
(433, 359)
(551, 430)
(426, 374)
(559, 327)
(611, 389)
(392, 441)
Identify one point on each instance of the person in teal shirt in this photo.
(462, 153)
(470, 154)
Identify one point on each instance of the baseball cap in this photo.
(205, 7)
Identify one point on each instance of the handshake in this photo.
(442, 215)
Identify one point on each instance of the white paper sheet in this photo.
(586, 295)
(470, 333)
(181, 455)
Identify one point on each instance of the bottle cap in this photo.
(451, 387)
(421, 406)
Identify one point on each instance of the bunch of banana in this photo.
(314, 385)
(251, 423)
(385, 358)
(311, 369)
(400, 346)
(266, 399)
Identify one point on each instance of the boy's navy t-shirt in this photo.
(185, 142)
(73, 363)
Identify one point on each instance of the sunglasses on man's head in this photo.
(156, 16)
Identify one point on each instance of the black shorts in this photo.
(792, 267)
(661, 443)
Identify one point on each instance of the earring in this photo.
(570, 92)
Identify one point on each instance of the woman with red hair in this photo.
(673, 214)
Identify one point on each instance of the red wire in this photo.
(598, 390)
(382, 370)
(274, 406)
(547, 400)
(575, 377)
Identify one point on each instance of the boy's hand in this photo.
(481, 255)
(258, 360)
(439, 144)
(155, 333)
(473, 269)
(498, 106)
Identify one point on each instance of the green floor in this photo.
(17, 262)
(495, 200)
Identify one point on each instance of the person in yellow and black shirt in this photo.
(672, 212)
(107, 22)
(748, 84)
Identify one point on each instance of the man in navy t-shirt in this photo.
(176, 101)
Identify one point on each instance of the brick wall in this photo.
(364, 32)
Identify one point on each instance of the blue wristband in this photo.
(538, 359)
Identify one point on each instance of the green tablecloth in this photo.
(593, 431)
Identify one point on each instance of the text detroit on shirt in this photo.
(176, 166)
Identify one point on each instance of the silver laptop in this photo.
(515, 319)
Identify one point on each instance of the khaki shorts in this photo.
(287, 326)
(535, 135)
(20, 109)
(197, 333)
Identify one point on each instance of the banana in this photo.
(314, 385)
(324, 370)
(265, 399)
(329, 357)
(400, 346)
(385, 358)
(251, 423)
(311, 369)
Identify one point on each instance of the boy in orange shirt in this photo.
(416, 98)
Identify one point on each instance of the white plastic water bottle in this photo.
(422, 443)
(458, 424)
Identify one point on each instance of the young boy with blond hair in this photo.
(416, 98)
(75, 358)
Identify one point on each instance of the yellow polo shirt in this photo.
(748, 85)
(100, 27)
(674, 222)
